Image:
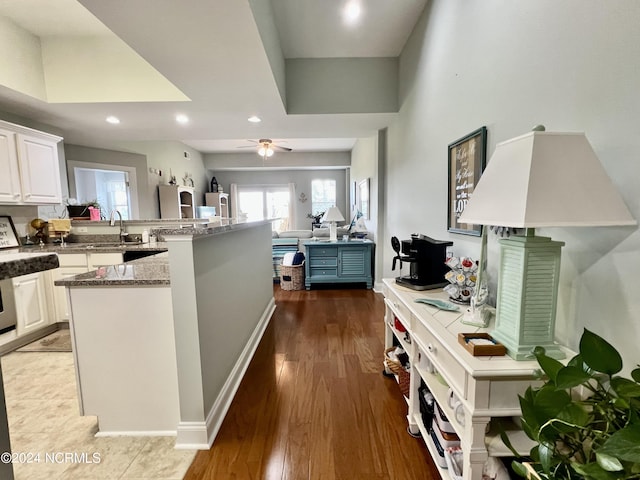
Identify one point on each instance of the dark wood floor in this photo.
(313, 403)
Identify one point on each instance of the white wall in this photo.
(573, 66)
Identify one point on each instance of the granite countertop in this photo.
(145, 271)
(212, 229)
(15, 263)
(101, 247)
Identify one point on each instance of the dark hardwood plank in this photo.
(313, 403)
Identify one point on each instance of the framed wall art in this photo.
(467, 158)
(8, 235)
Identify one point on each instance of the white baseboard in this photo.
(138, 433)
(200, 435)
(192, 436)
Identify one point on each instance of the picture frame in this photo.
(363, 198)
(466, 158)
(8, 235)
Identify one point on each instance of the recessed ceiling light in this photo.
(254, 119)
(352, 11)
(112, 120)
(181, 118)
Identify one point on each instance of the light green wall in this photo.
(571, 65)
(342, 85)
(168, 158)
(21, 60)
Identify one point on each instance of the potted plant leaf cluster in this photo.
(585, 418)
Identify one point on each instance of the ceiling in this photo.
(205, 59)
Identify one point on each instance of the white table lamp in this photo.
(332, 215)
(541, 179)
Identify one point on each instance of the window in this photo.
(260, 202)
(323, 195)
(113, 187)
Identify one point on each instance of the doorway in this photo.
(112, 186)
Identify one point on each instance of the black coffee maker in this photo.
(425, 257)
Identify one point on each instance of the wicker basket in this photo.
(292, 277)
(395, 367)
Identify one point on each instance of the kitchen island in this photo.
(162, 343)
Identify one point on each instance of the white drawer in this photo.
(398, 308)
(104, 259)
(453, 373)
(72, 259)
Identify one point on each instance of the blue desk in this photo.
(339, 262)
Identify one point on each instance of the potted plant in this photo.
(81, 211)
(585, 418)
(317, 218)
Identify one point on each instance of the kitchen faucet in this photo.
(112, 222)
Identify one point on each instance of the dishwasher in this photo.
(7, 306)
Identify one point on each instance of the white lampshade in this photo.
(333, 214)
(545, 179)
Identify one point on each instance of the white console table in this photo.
(486, 387)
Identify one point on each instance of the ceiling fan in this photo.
(266, 147)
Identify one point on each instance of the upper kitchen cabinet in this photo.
(31, 159)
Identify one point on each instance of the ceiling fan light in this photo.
(269, 152)
(262, 151)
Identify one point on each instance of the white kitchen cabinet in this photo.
(60, 303)
(32, 302)
(31, 159)
(10, 191)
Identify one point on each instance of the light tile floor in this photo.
(42, 409)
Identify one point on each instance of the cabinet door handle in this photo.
(431, 348)
(27, 195)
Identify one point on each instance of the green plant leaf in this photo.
(577, 362)
(505, 439)
(599, 354)
(545, 452)
(593, 471)
(530, 423)
(625, 387)
(575, 414)
(623, 444)
(519, 469)
(635, 374)
(549, 365)
(549, 402)
(569, 377)
(608, 462)
(634, 412)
